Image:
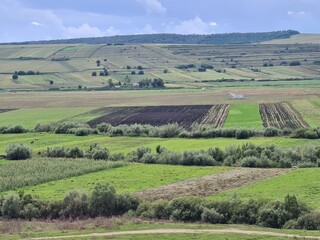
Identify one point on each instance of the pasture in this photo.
(40, 141)
(244, 115)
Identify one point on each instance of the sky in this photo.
(25, 20)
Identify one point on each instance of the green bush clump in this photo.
(18, 151)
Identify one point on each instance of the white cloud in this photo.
(193, 26)
(85, 30)
(153, 6)
(147, 29)
(34, 23)
(293, 13)
(111, 31)
(213, 24)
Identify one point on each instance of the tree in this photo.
(15, 76)
(128, 67)
(127, 79)
(165, 71)
(51, 82)
(110, 83)
(141, 72)
(11, 206)
(79, 87)
(103, 200)
(133, 72)
(157, 83)
(98, 63)
(140, 67)
(94, 74)
(75, 205)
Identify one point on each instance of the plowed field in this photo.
(185, 116)
(281, 115)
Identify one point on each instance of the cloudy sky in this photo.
(22, 20)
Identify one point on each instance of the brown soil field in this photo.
(212, 184)
(281, 115)
(184, 115)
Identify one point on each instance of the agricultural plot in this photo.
(309, 109)
(281, 115)
(28, 118)
(185, 116)
(244, 115)
(17, 174)
(141, 177)
(303, 183)
(6, 110)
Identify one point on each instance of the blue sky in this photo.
(22, 20)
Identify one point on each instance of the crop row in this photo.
(281, 115)
(185, 116)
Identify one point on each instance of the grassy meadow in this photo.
(244, 115)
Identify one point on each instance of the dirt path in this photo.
(182, 231)
(212, 184)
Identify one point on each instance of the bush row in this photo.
(104, 201)
(165, 131)
(245, 155)
(288, 214)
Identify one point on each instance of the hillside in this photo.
(297, 39)
(163, 38)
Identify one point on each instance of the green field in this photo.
(303, 183)
(141, 177)
(29, 118)
(17, 174)
(244, 115)
(127, 144)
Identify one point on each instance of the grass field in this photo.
(127, 144)
(17, 174)
(244, 115)
(309, 108)
(29, 118)
(303, 183)
(141, 177)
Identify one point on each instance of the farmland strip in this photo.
(281, 115)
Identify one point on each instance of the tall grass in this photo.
(32, 172)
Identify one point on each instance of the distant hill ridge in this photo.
(166, 38)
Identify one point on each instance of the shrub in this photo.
(97, 153)
(11, 206)
(30, 211)
(210, 215)
(250, 162)
(103, 200)
(104, 127)
(75, 205)
(65, 127)
(15, 129)
(82, 131)
(185, 209)
(74, 152)
(44, 127)
(310, 221)
(169, 130)
(56, 152)
(17, 151)
(242, 133)
(311, 134)
(271, 132)
(126, 202)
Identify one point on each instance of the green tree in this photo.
(103, 200)
(11, 206)
(15, 76)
